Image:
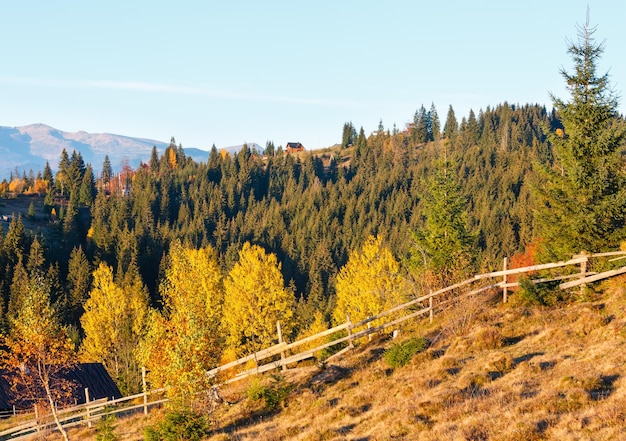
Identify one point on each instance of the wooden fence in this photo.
(283, 354)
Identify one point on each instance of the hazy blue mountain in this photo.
(29, 147)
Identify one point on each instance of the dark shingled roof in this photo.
(86, 375)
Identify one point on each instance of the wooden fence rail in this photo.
(284, 353)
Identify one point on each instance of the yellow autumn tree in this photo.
(369, 283)
(255, 300)
(184, 340)
(114, 322)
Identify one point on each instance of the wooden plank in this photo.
(317, 336)
(608, 254)
(546, 280)
(24, 426)
(527, 269)
(339, 354)
(260, 355)
(593, 278)
(309, 353)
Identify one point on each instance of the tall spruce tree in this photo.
(583, 197)
(451, 127)
(442, 251)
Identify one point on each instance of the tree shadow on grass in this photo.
(526, 357)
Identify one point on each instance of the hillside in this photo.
(492, 372)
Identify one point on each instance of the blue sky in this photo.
(226, 73)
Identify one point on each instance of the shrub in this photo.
(273, 394)
(105, 429)
(538, 294)
(179, 425)
(501, 363)
(489, 338)
(256, 389)
(400, 354)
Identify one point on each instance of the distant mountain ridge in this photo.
(29, 147)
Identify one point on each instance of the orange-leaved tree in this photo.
(37, 352)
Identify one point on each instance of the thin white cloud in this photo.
(203, 91)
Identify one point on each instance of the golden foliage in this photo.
(171, 157)
(369, 283)
(255, 300)
(113, 322)
(41, 186)
(16, 185)
(184, 341)
(319, 325)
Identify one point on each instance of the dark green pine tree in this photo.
(78, 283)
(421, 123)
(87, 191)
(154, 161)
(107, 170)
(348, 136)
(451, 127)
(442, 250)
(583, 196)
(47, 176)
(61, 182)
(435, 125)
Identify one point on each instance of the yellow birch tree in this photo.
(184, 341)
(114, 322)
(255, 300)
(369, 283)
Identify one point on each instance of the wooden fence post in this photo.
(144, 387)
(431, 312)
(87, 407)
(505, 290)
(37, 418)
(583, 272)
(349, 328)
(282, 353)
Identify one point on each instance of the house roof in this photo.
(86, 375)
(294, 145)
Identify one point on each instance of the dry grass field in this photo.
(492, 372)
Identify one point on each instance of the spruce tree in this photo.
(583, 198)
(442, 251)
(451, 127)
(107, 169)
(435, 125)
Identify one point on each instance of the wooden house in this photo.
(85, 375)
(294, 147)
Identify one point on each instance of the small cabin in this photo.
(294, 147)
(92, 376)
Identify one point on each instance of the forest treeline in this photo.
(310, 210)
